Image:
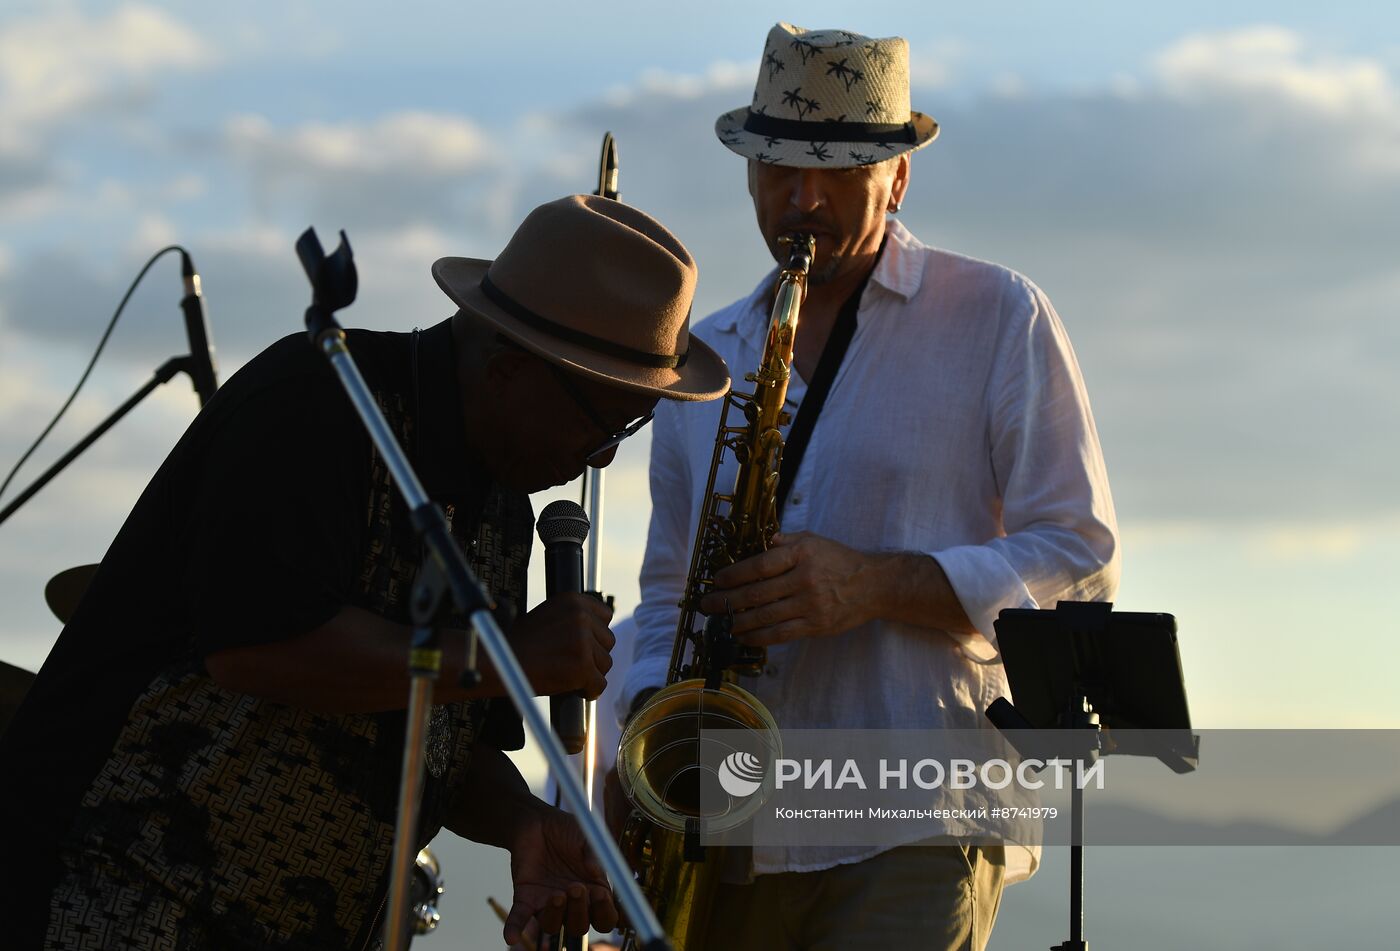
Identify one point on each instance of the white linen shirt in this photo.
(958, 426)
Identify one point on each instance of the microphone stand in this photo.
(445, 574)
(593, 481)
(163, 374)
(607, 188)
(593, 478)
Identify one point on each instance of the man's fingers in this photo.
(551, 916)
(529, 939)
(602, 659)
(519, 918)
(778, 633)
(769, 564)
(751, 595)
(602, 911)
(576, 917)
(595, 686)
(583, 608)
(774, 612)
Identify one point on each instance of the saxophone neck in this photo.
(787, 301)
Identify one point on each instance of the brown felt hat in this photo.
(599, 288)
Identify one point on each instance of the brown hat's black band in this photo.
(889, 132)
(659, 361)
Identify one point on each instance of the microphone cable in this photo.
(91, 363)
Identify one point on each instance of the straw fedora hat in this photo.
(599, 288)
(828, 99)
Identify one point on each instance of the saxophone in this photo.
(672, 786)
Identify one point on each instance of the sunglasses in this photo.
(614, 437)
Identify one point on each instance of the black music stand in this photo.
(1081, 668)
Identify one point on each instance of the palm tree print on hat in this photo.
(879, 56)
(806, 49)
(774, 65)
(818, 151)
(864, 158)
(803, 105)
(847, 74)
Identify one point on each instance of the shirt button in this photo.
(771, 670)
(797, 498)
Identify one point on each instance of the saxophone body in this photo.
(660, 761)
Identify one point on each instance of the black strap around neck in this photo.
(830, 361)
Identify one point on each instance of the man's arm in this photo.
(357, 661)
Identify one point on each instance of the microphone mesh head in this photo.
(562, 521)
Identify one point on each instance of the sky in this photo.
(1210, 195)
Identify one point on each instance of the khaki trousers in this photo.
(928, 898)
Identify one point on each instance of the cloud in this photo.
(418, 141)
(60, 63)
(1275, 62)
(1217, 233)
(724, 75)
(62, 66)
(27, 179)
(401, 169)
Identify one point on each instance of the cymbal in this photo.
(66, 589)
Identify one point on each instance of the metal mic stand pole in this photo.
(592, 499)
(163, 374)
(594, 573)
(607, 188)
(593, 482)
(334, 284)
(592, 583)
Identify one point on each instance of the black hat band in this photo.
(901, 132)
(659, 361)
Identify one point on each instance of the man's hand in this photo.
(564, 645)
(806, 585)
(557, 881)
(803, 586)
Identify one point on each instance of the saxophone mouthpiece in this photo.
(802, 247)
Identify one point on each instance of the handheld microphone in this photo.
(202, 370)
(563, 527)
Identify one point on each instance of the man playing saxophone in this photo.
(949, 469)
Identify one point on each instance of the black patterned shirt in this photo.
(163, 810)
